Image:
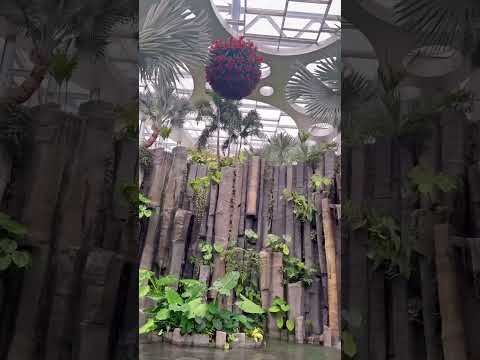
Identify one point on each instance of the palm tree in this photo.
(241, 129)
(278, 148)
(67, 26)
(251, 126)
(163, 114)
(171, 38)
(225, 116)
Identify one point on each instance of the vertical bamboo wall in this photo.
(66, 189)
(248, 197)
(431, 315)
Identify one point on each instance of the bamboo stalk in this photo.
(453, 335)
(331, 271)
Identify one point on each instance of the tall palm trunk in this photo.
(453, 331)
(151, 140)
(331, 257)
(21, 93)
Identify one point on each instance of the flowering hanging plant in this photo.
(233, 70)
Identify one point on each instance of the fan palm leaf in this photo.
(171, 37)
(438, 23)
(319, 89)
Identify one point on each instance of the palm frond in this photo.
(171, 37)
(205, 135)
(438, 23)
(356, 89)
(318, 89)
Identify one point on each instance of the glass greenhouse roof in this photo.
(283, 25)
(273, 120)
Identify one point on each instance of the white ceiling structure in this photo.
(285, 32)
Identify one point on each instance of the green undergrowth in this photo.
(182, 303)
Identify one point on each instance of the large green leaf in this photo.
(5, 262)
(249, 306)
(172, 296)
(280, 322)
(21, 258)
(11, 226)
(8, 245)
(349, 346)
(290, 325)
(226, 284)
(148, 327)
(163, 314)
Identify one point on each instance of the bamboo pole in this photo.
(453, 336)
(331, 271)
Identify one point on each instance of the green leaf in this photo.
(218, 248)
(349, 346)
(172, 296)
(148, 327)
(226, 284)
(280, 322)
(5, 262)
(249, 306)
(168, 280)
(274, 309)
(285, 250)
(163, 314)
(21, 258)
(8, 245)
(290, 325)
(284, 307)
(217, 324)
(11, 226)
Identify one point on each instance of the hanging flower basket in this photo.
(233, 70)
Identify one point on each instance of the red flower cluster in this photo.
(233, 70)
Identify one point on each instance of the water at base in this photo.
(275, 350)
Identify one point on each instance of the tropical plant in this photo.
(295, 270)
(145, 157)
(386, 247)
(307, 152)
(247, 263)
(171, 38)
(200, 187)
(66, 27)
(14, 127)
(302, 208)
(320, 182)
(144, 208)
(61, 69)
(251, 236)
(164, 112)
(226, 116)
(186, 308)
(225, 285)
(127, 123)
(10, 233)
(278, 148)
(241, 129)
(319, 89)
(279, 309)
(426, 181)
(278, 244)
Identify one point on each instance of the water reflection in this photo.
(274, 351)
